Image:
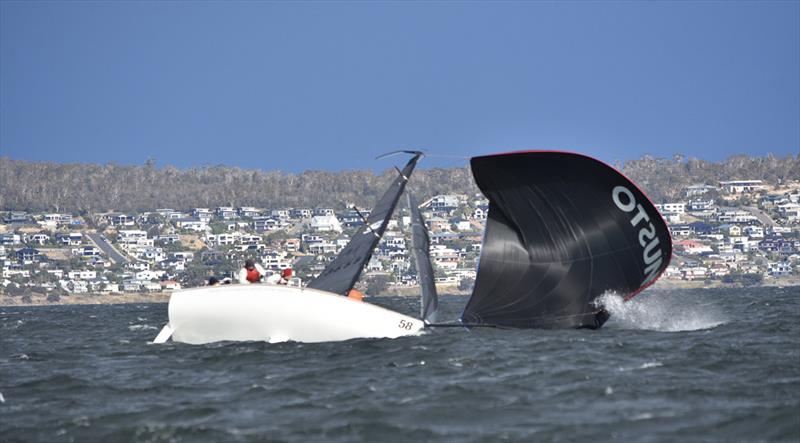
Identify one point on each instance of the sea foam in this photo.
(655, 313)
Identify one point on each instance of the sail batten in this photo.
(562, 229)
(342, 273)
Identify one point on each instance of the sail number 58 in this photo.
(407, 325)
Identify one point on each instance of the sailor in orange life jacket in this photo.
(280, 279)
(252, 272)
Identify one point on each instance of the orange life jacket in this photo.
(253, 276)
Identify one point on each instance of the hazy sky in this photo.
(330, 85)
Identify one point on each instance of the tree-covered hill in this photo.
(44, 186)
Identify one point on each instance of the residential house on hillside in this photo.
(695, 190)
(353, 219)
(779, 269)
(298, 213)
(222, 239)
(82, 275)
(321, 247)
(192, 224)
(324, 211)
(17, 217)
(779, 245)
(152, 254)
(790, 211)
(39, 238)
(69, 238)
(437, 224)
(249, 212)
(261, 224)
(58, 219)
(27, 256)
(701, 208)
(291, 245)
(204, 214)
(87, 251)
(121, 219)
(753, 231)
(735, 215)
(678, 208)
(480, 213)
(326, 223)
(681, 230)
(226, 213)
(460, 224)
(692, 247)
(167, 239)
(742, 186)
(10, 239)
(281, 213)
(444, 205)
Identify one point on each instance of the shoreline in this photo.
(400, 291)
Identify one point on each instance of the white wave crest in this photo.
(668, 314)
(141, 328)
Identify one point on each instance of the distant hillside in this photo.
(44, 186)
(664, 179)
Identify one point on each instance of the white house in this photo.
(739, 186)
(10, 239)
(462, 225)
(131, 235)
(326, 223)
(149, 275)
(281, 213)
(153, 254)
(694, 190)
(249, 211)
(734, 215)
(790, 211)
(82, 275)
(672, 208)
(192, 224)
(780, 269)
(203, 214)
(39, 238)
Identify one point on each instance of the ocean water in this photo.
(690, 365)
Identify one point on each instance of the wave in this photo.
(660, 313)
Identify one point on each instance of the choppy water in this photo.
(699, 365)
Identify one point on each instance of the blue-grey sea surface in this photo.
(713, 365)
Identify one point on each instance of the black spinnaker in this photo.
(341, 274)
(562, 230)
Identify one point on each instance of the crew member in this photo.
(280, 279)
(252, 272)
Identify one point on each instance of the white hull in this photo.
(275, 314)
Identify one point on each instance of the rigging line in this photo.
(460, 157)
(366, 223)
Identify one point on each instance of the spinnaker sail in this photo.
(420, 246)
(562, 230)
(342, 273)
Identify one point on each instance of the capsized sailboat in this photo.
(562, 230)
(319, 312)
